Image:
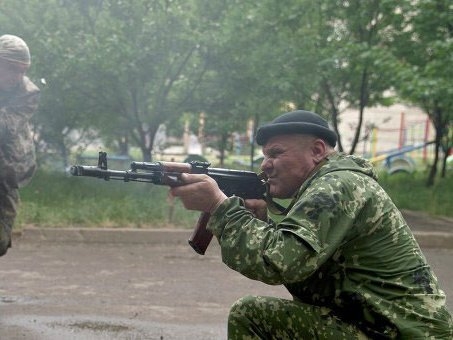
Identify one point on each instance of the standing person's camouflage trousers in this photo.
(9, 200)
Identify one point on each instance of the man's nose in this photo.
(265, 164)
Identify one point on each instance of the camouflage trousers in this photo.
(259, 317)
(9, 201)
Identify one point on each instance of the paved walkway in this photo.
(98, 284)
(100, 291)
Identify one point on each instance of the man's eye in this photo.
(273, 154)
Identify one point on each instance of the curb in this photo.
(434, 239)
(105, 235)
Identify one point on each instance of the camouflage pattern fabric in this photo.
(17, 149)
(17, 153)
(260, 317)
(9, 201)
(344, 249)
(14, 49)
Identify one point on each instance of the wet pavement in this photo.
(78, 290)
(117, 291)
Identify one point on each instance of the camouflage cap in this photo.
(302, 122)
(14, 49)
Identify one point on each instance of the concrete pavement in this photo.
(134, 284)
(76, 290)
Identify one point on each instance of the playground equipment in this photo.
(408, 137)
(397, 161)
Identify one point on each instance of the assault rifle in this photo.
(245, 184)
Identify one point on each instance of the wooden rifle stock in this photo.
(201, 237)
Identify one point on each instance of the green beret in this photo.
(302, 122)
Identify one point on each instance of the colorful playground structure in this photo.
(410, 140)
(398, 161)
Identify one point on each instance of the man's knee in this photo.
(240, 319)
(240, 308)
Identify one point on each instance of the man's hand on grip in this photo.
(199, 192)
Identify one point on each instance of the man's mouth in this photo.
(265, 177)
(271, 179)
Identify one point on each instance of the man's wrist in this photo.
(218, 202)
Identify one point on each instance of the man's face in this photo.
(288, 161)
(11, 74)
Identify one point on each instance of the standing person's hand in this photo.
(199, 192)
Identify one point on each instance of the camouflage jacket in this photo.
(343, 245)
(17, 151)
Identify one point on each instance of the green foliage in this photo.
(56, 200)
(116, 69)
(409, 191)
(425, 47)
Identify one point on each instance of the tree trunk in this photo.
(433, 169)
(222, 147)
(256, 119)
(444, 165)
(335, 112)
(64, 155)
(123, 145)
(436, 118)
(446, 147)
(363, 103)
(146, 154)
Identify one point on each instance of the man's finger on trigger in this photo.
(192, 178)
(184, 178)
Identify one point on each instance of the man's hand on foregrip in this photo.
(199, 192)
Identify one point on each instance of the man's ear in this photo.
(319, 149)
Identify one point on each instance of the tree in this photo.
(116, 70)
(145, 57)
(122, 67)
(53, 33)
(425, 49)
(319, 55)
(354, 64)
(238, 86)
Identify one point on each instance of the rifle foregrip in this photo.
(201, 237)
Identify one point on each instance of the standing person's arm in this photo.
(18, 150)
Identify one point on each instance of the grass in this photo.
(57, 200)
(409, 191)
